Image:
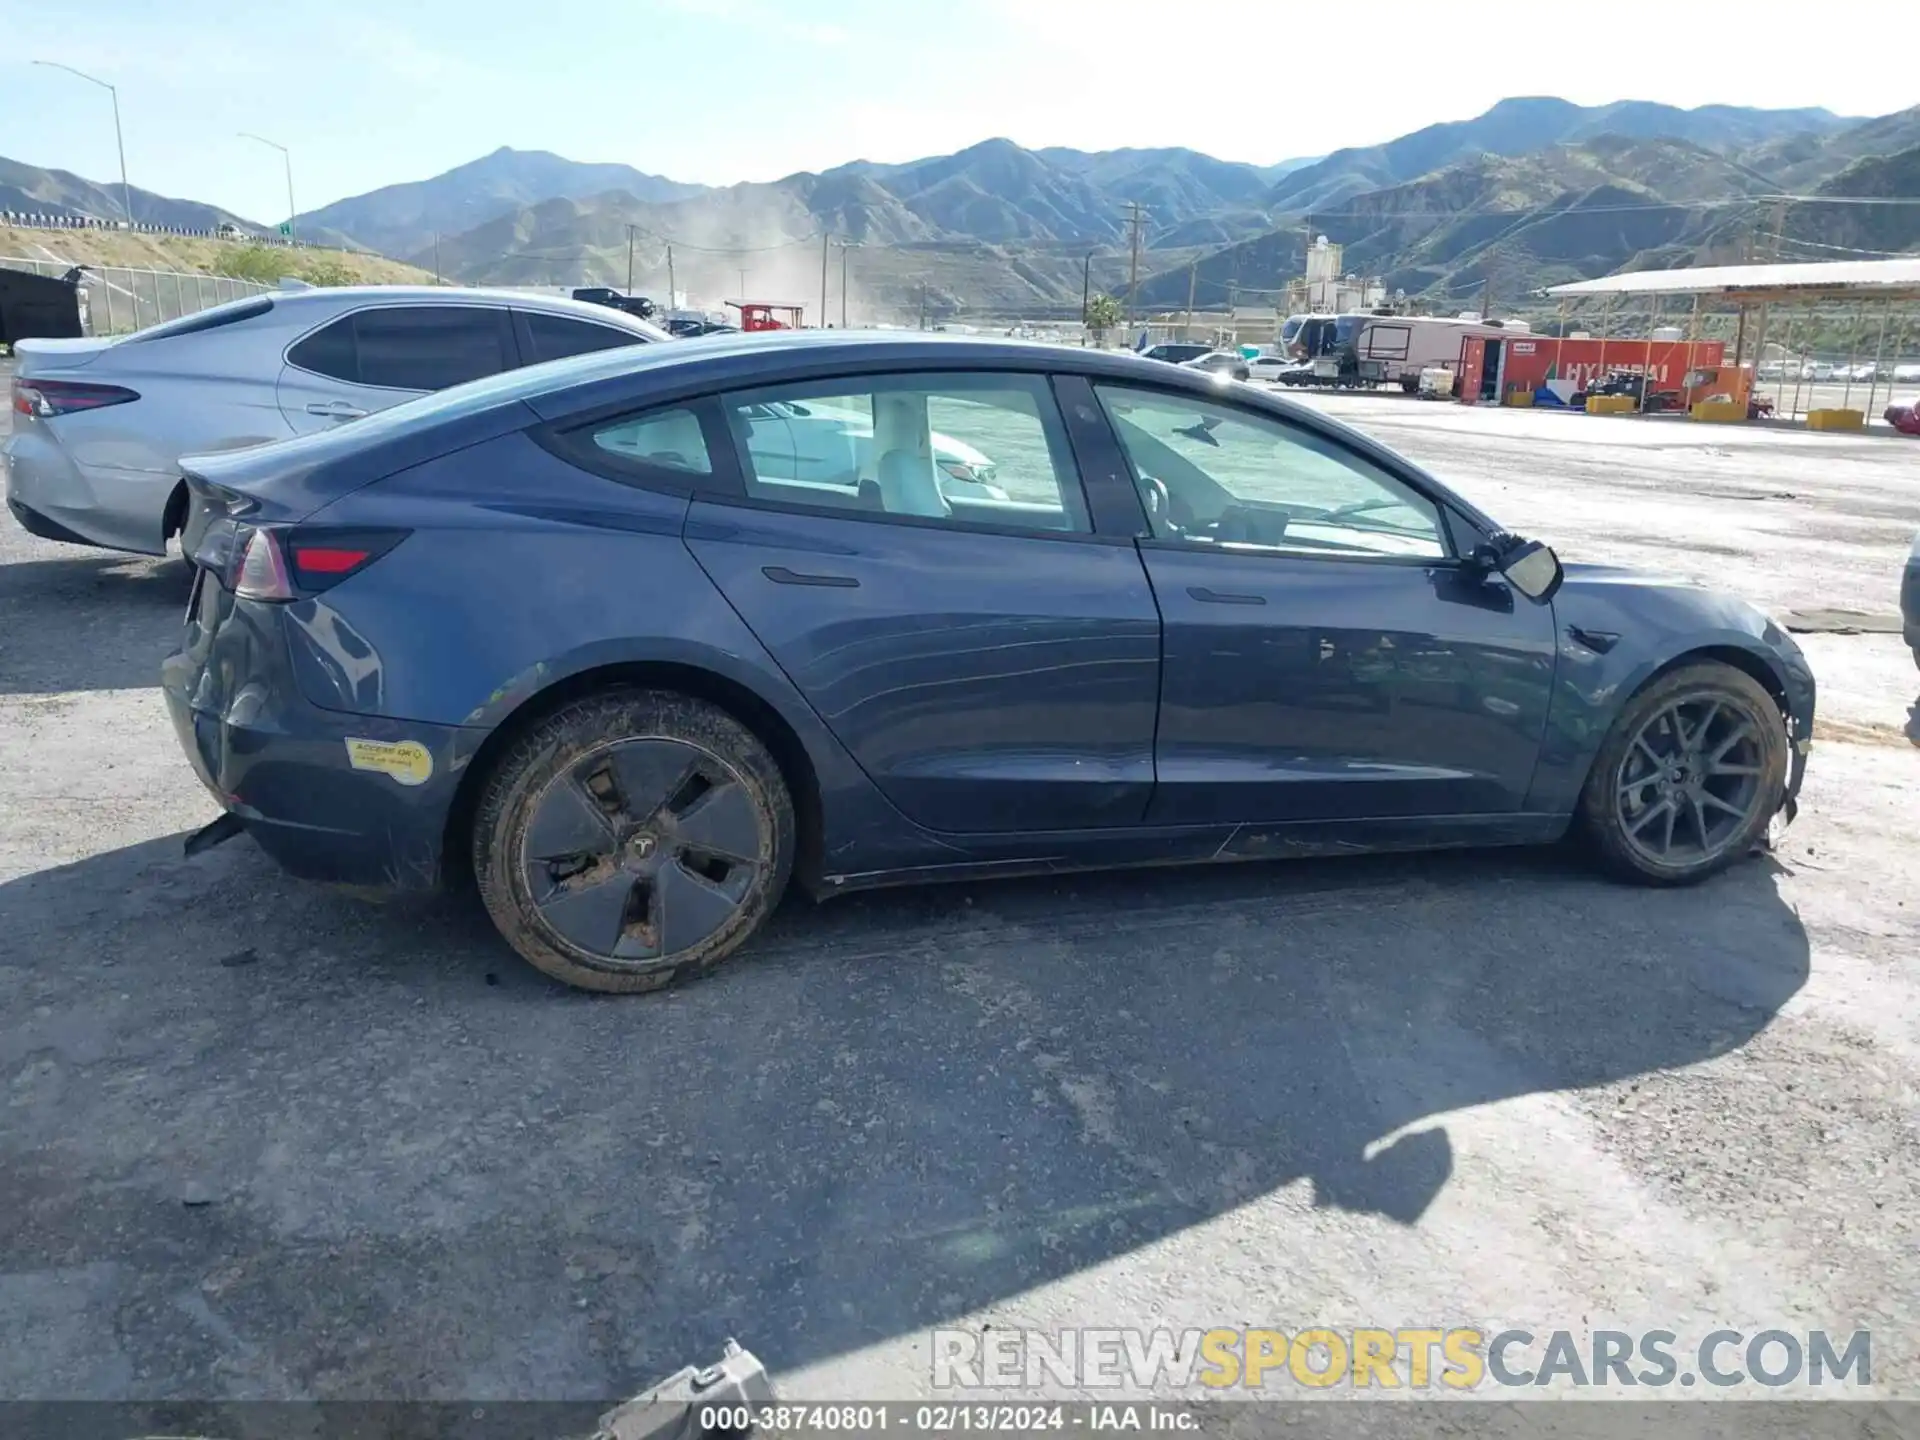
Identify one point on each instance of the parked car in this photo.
(1269, 367)
(99, 425)
(683, 327)
(1230, 363)
(638, 305)
(571, 630)
(1910, 600)
(1175, 352)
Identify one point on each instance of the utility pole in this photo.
(629, 259)
(826, 245)
(1193, 275)
(845, 246)
(1486, 298)
(1086, 294)
(743, 282)
(672, 303)
(126, 193)
(1136, 215)
(923, 304)
(436, 257)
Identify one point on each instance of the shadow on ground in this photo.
(88, 620)
(267, 1141)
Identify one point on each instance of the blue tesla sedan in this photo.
(636, 639)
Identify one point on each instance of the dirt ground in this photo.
(263, 1140)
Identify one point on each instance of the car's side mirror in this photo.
(1530, 567)
(1533, 569)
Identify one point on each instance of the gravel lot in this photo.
(263, 1140)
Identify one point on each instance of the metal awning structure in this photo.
(1857, 280)
(1865, 290)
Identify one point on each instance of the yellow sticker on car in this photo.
(406, 761)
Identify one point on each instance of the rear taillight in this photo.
(285, 562)
(44, 399)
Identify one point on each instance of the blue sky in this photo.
(367, 94)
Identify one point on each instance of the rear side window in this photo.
(410, 347)
(430, 347)
(554, 337)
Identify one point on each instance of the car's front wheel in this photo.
(632, 837)
(1688, 777)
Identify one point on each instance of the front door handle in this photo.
(780, 575)
(337, 410)
(1223, 597)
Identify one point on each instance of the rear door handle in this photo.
(337, 410)
(780, 575)
(1223, 597)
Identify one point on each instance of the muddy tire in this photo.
(632, 838)
(1692, 771)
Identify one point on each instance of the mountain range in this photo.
(31, 190)
(1535, 190)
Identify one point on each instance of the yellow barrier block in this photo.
(1611, 405)
(1718, 411)
(1836, 419)
(1519, 399)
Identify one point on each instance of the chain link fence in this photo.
(119, 299)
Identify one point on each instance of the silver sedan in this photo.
(99, 425)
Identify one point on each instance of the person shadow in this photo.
(269, 1141)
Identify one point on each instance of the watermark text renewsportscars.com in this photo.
(1406, 1358)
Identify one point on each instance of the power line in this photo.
(1843, 249)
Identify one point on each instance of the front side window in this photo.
(1216, 475)
(979, 449)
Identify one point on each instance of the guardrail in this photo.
(119, 299)
(58, 220)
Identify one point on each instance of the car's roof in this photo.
(345, 295)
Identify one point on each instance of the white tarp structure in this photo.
(1833, 279)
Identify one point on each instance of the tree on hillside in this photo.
(1103, 313)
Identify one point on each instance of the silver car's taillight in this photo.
(44, 399)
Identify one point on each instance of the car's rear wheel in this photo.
(1688, 778)
(631, 838)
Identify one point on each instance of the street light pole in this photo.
(287, 157)
(126, 191)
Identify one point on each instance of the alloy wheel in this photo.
(1691, 779)
(642, 849)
